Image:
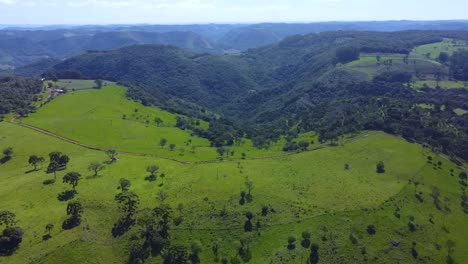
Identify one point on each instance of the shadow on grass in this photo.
(122, 226)
(46, 237)
(66, 195)
(5, 159)
(71, 223)
(94, 177)
(29, 171)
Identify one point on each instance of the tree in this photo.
(221, 151)
(314, 256)
(111, 153)
(172, 147)
(8, 152)
(443, 57)
(152, 169)
(371, 229)
(74, 210)
(380, 167)
(303, 145)
(305, 239)
(98, 83)
(124, 184)
(158, 121)
(72, 178)
(291, 242)
(128, 203)
(34, 160)
(49, 228)
(463, 176)
(63, 161)
(163, 142)
(7, 218)
(96, 167)
(53, 167)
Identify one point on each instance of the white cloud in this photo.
(186, 4)
(8, 2)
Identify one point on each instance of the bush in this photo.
(380, 167)
(371, 230)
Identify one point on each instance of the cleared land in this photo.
(308, 191)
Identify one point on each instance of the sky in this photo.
(44, 12)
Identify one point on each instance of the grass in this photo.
(308, 191)
(448, 45)
(442, 84)
(70, 84)
(96, 117)
(368, 64)
(460, 111)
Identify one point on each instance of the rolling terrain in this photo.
(329, 202)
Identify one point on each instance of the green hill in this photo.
(304, 192)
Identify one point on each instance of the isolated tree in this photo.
(305, 239)
(72, 178)
(8, 152)
(34, 160)
(314, 256)
(98, 83)
(53, 167)
(96, 167)
(111, 153)
(172, 147)
(220, 151)
(74, 209)
(152, 169)
(163, 142)
(380, 167)
(346, 166)
(162, 175)
(291, 242)
(443, 57)
(7, 218)
(158, 121)
(49, 228)
(124, 184)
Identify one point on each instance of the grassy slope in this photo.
(307, 191)
(78, 84)
(94, 117)
(418, 64)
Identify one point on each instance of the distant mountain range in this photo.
(23, 45)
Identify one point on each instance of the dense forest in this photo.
(17, 94)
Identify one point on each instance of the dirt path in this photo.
(46, 132)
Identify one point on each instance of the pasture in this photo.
(334, 193)
(307, 191)
(432, 51)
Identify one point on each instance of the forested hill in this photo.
(298, 84)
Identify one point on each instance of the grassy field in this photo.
(77, 84)
(369, 64)
(308, 191)
(449, 46)
(96, 117)
(442, 84)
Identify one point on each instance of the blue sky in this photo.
(218, 11)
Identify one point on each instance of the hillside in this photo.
(332, 203)
(299, 84)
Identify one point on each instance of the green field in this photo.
(77, 84)
(448, 45)
(308, 191)
(95, 117)
(368, 64)
(442, 84)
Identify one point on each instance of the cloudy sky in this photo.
(217, 11)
